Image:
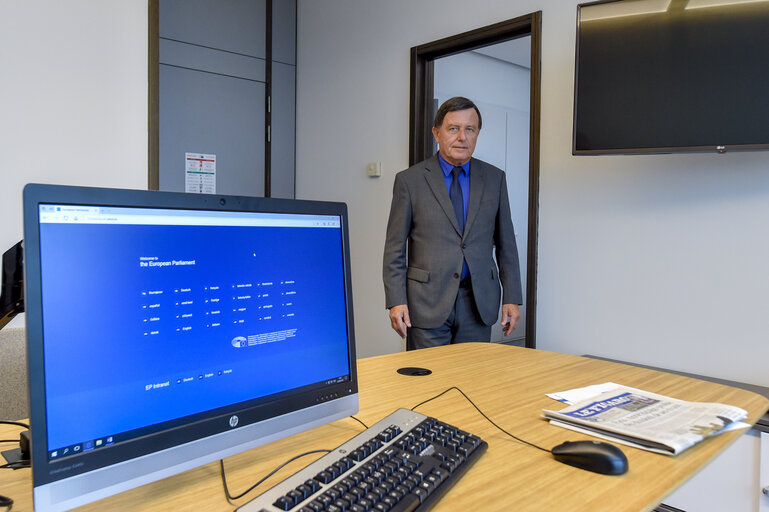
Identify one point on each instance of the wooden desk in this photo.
(509, 385)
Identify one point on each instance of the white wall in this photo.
(654, 259)
(657, 259)
(73, 99)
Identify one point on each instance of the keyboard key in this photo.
(284, 503)
(304, 490)
(316, 505)
(442, 473)
(422, 494)
(342, 504)
(295, 496)
(332, 493)
(409, 503)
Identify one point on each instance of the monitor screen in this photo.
(169, 330)
(660, 76)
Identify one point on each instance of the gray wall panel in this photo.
(205, 59)
(284, 31)
(206, 113)
(232, 25)
(283, 130)
(212, 75)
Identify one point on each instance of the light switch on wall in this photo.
(374, 169)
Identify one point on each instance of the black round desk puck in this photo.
(414, 371)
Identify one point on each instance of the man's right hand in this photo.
(399, 319)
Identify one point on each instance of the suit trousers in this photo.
(463, 325)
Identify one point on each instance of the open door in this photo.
(498, 67)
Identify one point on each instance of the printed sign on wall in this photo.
(200, 173)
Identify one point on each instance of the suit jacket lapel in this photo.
(437, 184)
(477, 178)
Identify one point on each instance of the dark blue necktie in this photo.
(455, 193)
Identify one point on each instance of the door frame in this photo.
(420, 120)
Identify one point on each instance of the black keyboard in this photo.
(405, 462)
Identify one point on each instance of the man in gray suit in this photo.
(449, 214)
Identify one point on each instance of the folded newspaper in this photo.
(646, 420)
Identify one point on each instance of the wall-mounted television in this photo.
(663, 76)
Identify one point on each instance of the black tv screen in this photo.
(659, 76)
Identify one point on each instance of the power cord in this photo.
(359, 421)
(6, 502)
(224, 478)
(482, 414)
(17, 423)
(18, 458)
(230, 497)
(19, 464)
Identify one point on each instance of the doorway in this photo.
(498, 68)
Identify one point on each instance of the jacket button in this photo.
(456, 276)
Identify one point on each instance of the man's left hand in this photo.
(510, 316)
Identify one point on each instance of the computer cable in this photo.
(224, 478)
(18, 458)
(482, 414)
(19, 464)
(595, 456)
(513, 436)
(6, 502)
(17, 423)
(359, 421)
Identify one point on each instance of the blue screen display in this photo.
(147, 323)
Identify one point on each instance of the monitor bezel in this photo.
(198, 440)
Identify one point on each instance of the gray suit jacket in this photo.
(424, 249)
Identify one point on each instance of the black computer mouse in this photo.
(595, 456)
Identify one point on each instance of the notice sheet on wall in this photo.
(200, 173)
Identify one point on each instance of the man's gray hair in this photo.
(452, 105)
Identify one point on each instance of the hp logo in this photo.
(233, 421)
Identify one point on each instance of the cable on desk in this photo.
(292, 459)
(19, 464)
(482, 414)
(224, 478)
(359, 421)
(17, 423)
(6, 502)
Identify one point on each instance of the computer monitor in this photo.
(169, 330)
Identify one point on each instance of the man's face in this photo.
(457, 136)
